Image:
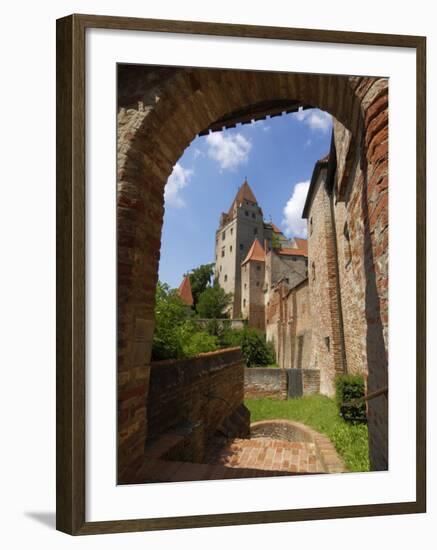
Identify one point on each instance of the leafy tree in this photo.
(176, 335)
(197, 342)
(213, 303)
(170, 313)
(276, 242)
(255, 349)
(200, 279)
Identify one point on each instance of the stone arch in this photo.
(160, 111)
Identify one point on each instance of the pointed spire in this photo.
(244, 193)
(185, 291)
(255, 253)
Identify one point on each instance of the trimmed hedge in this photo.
(349, 387)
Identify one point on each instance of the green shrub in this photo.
(254, 348)
(349, 387)
(213, 302)
(198, 342)
(176, 335)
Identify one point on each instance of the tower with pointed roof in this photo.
(252, 286)
(239, 227)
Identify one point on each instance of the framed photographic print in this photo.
(240, 274)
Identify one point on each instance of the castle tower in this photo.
(238, 228)
(252, 286)
(184, 291)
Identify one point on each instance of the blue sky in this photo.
(276, 155)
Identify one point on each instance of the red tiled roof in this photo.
(292, 252)
(256, 253)
(243, 193)
(275, 228)
(185, 291)
(302, 244)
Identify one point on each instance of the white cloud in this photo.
(293, 223)
(198, 153)
(229, 151)
(316, 120)
(179, 178)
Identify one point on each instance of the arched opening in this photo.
(160, 112)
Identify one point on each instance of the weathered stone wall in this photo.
(233, 242)
(293, 268)
(195, 397)
(289, 324)
(265, 382)
(160, 111)
(327, 348)
(361, 212)
(280, 383)
(252, 293)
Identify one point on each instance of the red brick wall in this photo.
(197, 395)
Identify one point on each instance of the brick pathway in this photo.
(266, 454)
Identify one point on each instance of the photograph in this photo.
(252, 274)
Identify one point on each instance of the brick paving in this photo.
(264, 453)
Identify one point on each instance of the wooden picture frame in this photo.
(71, 248)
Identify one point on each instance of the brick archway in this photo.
(160, 112)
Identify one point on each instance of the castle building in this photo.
(252, 255)
(238, 229)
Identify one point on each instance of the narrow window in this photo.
(328, 343)
(255, 231)
(241, 246)
(313, 271)
(223, 252)
(347, 246)
(246, 213)
(253, 215)
(244, 302)
(223, 235)
(232, 230)
(311, 225)
(230, 248)
(226, 278)
(258, 268)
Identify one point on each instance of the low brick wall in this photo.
(192, 399)
(280, 383)
(265, 382)
(310, 381)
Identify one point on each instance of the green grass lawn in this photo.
(321, 413)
